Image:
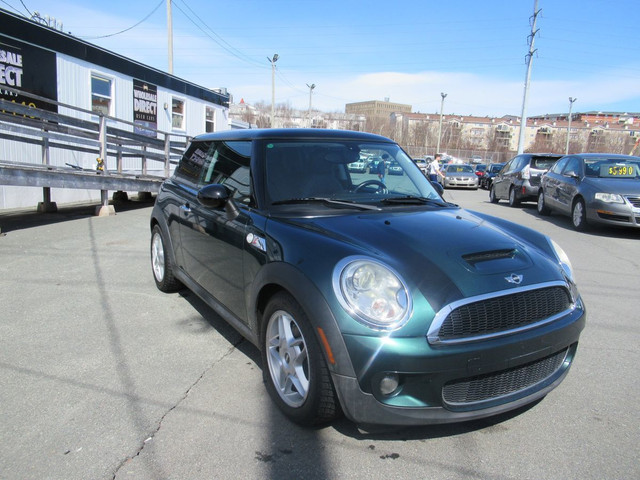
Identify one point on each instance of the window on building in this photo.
(209, 119)
(101, 94)
(177, 113)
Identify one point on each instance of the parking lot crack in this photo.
(149, 437)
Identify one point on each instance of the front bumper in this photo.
(429, 374)
(460, 183)
(614, 214)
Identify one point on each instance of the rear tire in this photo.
(161, 264)
(513, 201)
(293, 367)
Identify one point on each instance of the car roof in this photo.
(291, 133)
(554, 155)
(604, 155)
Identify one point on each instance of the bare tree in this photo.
(379, 125)
(618, 142)
(543, 143)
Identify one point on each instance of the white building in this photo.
(39, 60)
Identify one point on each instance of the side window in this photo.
(190, 168)
(572, 168)
(209, 119)
(559, 165)
(177, 113)
(101, 94)
(510, 166)
(519, 164)
(228, 164)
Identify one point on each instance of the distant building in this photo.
(376, 108)
(255, 117)
(593, 117)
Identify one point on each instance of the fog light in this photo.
(389, 383)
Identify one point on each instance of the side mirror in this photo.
(217, 196)
(439, 188)
(213, 196)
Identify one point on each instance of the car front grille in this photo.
(492, 386)
(635, 201)
(497, 315)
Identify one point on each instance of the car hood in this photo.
(622, 186)
(447, 254)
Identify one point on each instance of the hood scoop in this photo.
(474, 258)
(496, 261)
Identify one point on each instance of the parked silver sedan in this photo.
(593, 188)
(459, 176)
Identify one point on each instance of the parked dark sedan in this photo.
(519, 180)
(593, 188)
(328, 275)
(488, 175)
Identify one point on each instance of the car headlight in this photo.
(609, 197)
(563, 258)
(372, 293)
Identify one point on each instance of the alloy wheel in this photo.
(288, 360)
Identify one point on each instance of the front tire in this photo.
(293, 367)
(492, 195)
(579, 216)
(542, 206)
(161, 264)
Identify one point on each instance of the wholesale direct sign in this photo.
(145, 108)
(30, 69)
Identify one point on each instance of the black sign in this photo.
(30, 69)
(145, 108)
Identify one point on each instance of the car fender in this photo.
(160, 220)
(277, 276)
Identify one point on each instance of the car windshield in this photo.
(342, 171)
(459, 169)
(612, 168)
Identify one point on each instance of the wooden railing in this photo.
(108, 138)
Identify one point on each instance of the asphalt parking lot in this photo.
(105, 377)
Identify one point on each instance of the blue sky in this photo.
(358, 50)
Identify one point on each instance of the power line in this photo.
(25, 7)
(127, 29)
(11, 7)
(218, 39)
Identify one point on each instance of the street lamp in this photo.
(571, 100)
(311, 87)
(273, 85)
(443, 95)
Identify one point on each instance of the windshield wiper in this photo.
(327, 201)
(413, 200)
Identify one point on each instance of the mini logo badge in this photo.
(514, 278)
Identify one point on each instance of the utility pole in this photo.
(273, 87)
(170, 35)
(571, 100)
(311, 87)
(443, 95)
(523, 117)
